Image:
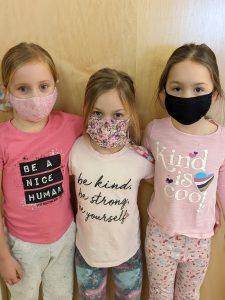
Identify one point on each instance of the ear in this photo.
(4, 103)
(214, 96)
(2, 92)
(162, 96)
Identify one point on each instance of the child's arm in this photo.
(10, 270)
(218, 217)
(221, 193)
(146, 144)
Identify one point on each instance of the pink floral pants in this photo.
(176, 264)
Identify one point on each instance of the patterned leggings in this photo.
(176, 265)
(127, 279)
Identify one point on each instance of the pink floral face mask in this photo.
(108, 134)
(33, 109)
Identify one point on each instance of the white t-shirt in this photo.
(108, 231)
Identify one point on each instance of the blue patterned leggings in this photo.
(127, 278)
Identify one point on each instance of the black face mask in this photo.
(187, 111)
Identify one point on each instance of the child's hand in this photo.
(217, 217)
(216, 227)
(10, 270)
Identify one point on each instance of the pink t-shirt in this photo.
(186, 176)
(35, 178)
(108, 231)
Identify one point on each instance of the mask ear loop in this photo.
(128, 134)
(129, 141)
(4, 103)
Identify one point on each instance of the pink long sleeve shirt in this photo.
(188, 169)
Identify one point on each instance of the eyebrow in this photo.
(20, 83)
(26, 83)
(118, 110)
(197, 83)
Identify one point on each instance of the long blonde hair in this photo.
(21, 54)
(107, 79)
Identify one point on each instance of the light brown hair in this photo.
(201, 54)
(21, 54)
(107, 79)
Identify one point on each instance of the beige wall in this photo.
(133, 35)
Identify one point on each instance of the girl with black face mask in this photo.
(189, 153)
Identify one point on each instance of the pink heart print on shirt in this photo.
(202, 180)
(192, 155)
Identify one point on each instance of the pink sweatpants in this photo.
(176, 265)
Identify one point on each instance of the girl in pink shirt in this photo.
(189, 162)
(34, 149)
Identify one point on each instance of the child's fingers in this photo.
(216, 227)
(15, 280)
(12, 280)
(19, 272)
(9, 282)
(15, 276)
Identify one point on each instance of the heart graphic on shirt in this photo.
(169, 180)
(192, 155)
(202, 180)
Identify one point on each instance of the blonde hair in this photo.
(108, 79)
(21, 54)
(201, 54)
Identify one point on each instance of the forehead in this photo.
(189, 71)
(32, 71)
(109, 101)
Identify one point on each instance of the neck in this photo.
(28, 126)
(102, 150)
(202, 127)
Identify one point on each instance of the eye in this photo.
(23, 89)
(44, 87)
(118, 115)
(176, 89)
(199, 90)
(96, 113)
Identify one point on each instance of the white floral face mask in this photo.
(108, 134)
(33, 109)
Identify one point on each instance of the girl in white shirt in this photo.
(107, 172)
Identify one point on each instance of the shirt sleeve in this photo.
(78, 128)
(70, 165)
(221, 188)
(71, 161)
(78, 124)
(1, 159)
(147, 136)
(150, 170)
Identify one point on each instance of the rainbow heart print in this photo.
(202, 180)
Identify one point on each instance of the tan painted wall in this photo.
(136, 36)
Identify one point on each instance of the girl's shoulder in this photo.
(6, 130)
(219, 133)
(156, 124)
(4, 124)
(142, 151)
(65, 116)
(66, 122)
(222, 133)
(80, 144)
